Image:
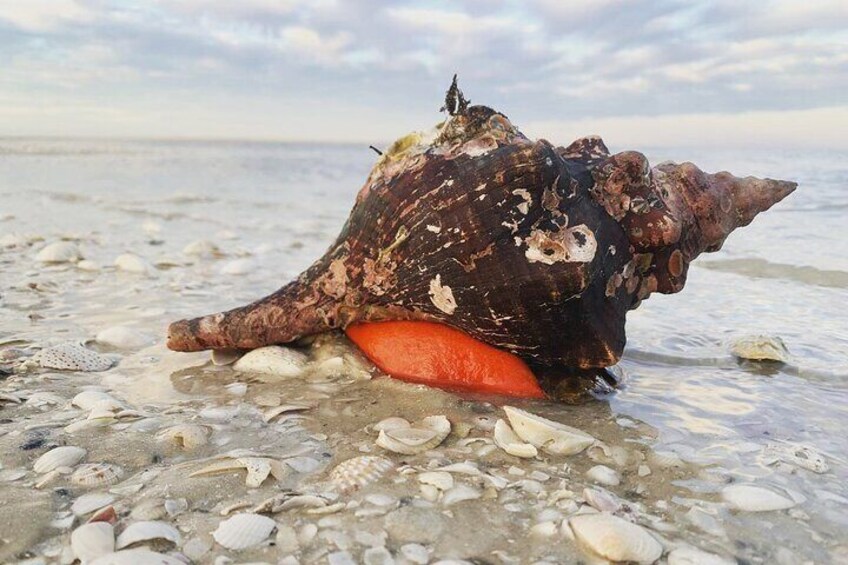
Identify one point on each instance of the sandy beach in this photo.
(714, 458)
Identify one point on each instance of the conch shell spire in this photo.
(535, 249)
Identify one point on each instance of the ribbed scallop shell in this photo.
(72, 357)
(65, 456)
(355, 473)
(243, 530)
(614, 538)
(97, 474)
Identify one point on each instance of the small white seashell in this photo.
(272, 413)
(186, 436)
(122, 337)
(65, 456)
(243, 530)
(667, 460)
(755, 499)
(59, 252)
(132, 263)
(90, 541)
(148, 509)
(601, 500)
(543, 530)
(202, 248)
(72, 357)
(460, 493)
(693, 556)
(417, 438)
(614, 538)
(137, 556)
(236, 389)
(225, 356)
(761, 348)
(273, 360)
(604, 475)
(88, 503)
(547, 435)
(506, 439)
(88, 265)
(147, 531)
(89, 399)
(239, 267)
(353, 474)
(97, 474)
(439, 479)
(392, 423)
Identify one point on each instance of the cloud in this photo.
(43, 15)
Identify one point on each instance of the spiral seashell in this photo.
(65, 456)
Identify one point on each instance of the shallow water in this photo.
(279, 206)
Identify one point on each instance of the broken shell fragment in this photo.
(91, 502)
(64, 456)
(506, 439)
(186, 436)
(137, 556)
(243, 530)
(761, 348)
(749, 498)
(93, 540)
(358, 472)
(547, 435)
(614, 538)
(418, 438)
(147, 531)
(72, 357)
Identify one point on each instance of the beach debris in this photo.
(273, 360)
(441, 480)
(186, 436)
(761, 348)
(750, 498)
(687, 555)
(356, 473)
(614, 538)
(91, 502)
(71, 356)
(547, 435)
(147, 531)
(400, 436)
(97, 474)
(64, 456)
(59, 252)
(603, 475)
(258, 469)
(803, 456)
(244, 530)
(506, 439)
(275, 411)
(460, 493)
(92, 540)
(122, 337)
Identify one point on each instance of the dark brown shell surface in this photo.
(535, 249)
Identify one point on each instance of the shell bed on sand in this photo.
(115, 450)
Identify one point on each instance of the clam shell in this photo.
(90, 541)
(547, 435)
(761, 348)
(72, 357)
(132, 263)
(137, 556)
(604, 475)
(506, 439)
(243, 530)
(614, 538)
(148, 531)
(186, 436)
(90, 502)
(353, 474)
(59, 252)
(442, 480)
(749, 498)
(460, 493)
(97, 474)
(239, 267)
(65, 456)
(122, 337)
(417, 438)
(273, 360)
(90, 399)
(202, 248)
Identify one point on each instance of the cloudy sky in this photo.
(765, 72)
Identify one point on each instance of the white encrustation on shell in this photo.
(243, 530)
(93, 540)
(64, 456)
(59, 252)
(137, 556)
(506, 439)
(122, 337)
(97, 474)
(409, 439)
(91, 502)
(273, 360)
(692, 556)
(132, 263)
(72, 356)
(614, 538)
(186, 436)
(604, 475)
(750, 498)
(761, 348)
(145, 531)
(357, 472)
(547, 435)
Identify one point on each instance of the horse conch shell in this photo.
(535, 249)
